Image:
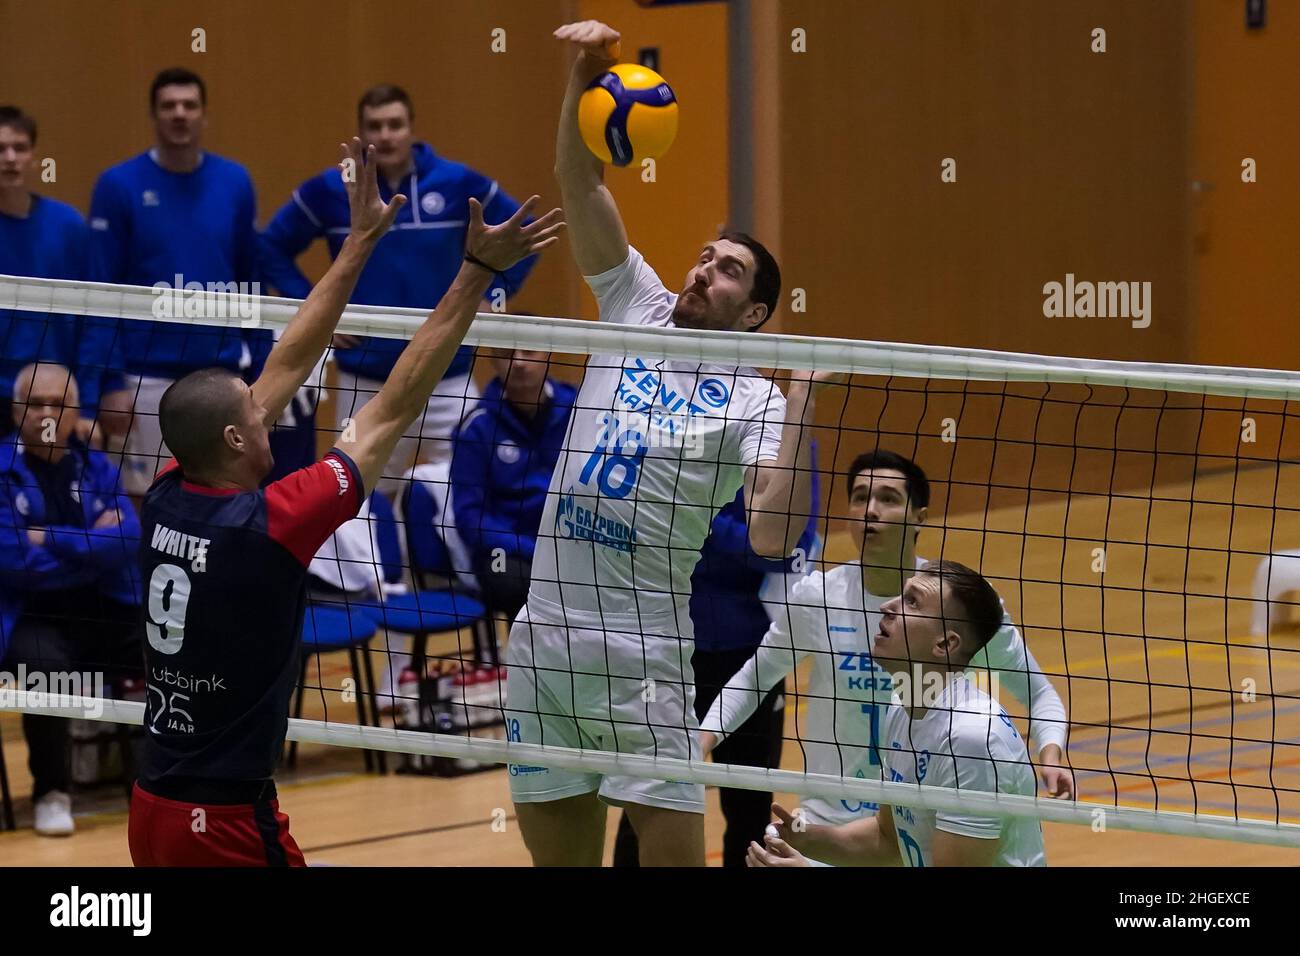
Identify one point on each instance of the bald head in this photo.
(194, 414)
(45, 408)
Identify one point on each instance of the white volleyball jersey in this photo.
(966, 741)
(831, 621)
(653, 451)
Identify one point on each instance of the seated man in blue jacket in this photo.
(501, 468)
(412, 266)
(69, 590)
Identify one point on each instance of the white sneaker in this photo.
(54, 814)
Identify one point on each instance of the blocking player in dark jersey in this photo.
(224, 562)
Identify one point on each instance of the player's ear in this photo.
(948, 647)
(755, 317)
(232, 439)
(922, 514)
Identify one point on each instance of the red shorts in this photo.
(166, 832)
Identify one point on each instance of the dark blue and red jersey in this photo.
(225, 577)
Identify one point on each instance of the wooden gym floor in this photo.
(1156, 665)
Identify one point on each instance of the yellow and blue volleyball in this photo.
(628, 114)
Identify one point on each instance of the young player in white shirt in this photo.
(830, 618)
(945, 733)
(596, 659)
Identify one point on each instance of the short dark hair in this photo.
(979, 611)
(194, 413)
(382, 95)
(15, 118)
(767, 274)
(918, 486)
(176, 76)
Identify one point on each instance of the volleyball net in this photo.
(1136, 520)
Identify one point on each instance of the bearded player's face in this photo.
(717, 290)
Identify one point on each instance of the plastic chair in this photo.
(1277, 574)
(329, 627)
(437, 604)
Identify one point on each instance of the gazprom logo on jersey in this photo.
(574, 521)
(213, 300)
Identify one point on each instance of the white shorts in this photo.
(428, 438)
(590, 689)
(144, 454)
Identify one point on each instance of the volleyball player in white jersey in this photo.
(830, 619)
(653, 450)
(955, 737)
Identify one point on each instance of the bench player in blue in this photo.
(224, 563)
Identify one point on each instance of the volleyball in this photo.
(628, 114)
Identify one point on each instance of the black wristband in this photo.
(481, 264)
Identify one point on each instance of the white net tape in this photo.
(759, 350)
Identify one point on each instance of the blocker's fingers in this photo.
(371, 172)
(549, 238)
(545, 222)
(551, 232)
(544, 244)
(475, 213)
(524, 211)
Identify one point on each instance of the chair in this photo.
(439, 602)
(330, 627)
(1278, 574)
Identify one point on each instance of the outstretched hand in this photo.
(500, 247)
(595, 38)
(371, 216)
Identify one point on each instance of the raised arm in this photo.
(595, 227)
(1018, 671)
(791, 637)
(771, 663)
(489, 250)
(308, 334)
(779, 492)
